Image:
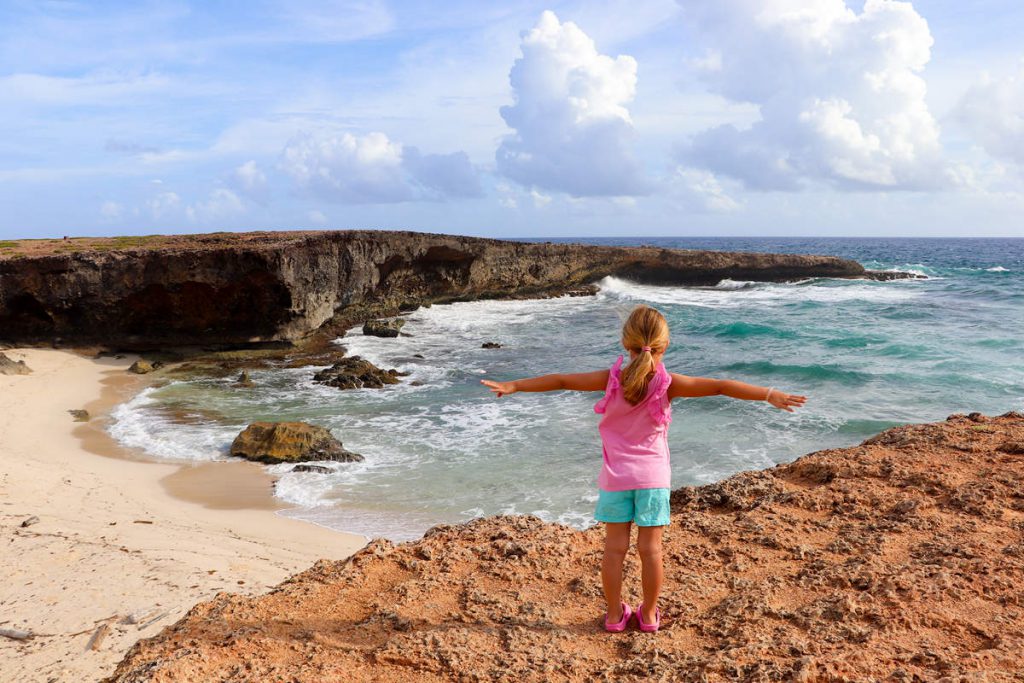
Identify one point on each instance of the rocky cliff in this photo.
(246, 288)
(900, 559)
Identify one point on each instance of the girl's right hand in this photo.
(784, 401)
(500, 388)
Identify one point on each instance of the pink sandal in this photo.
(621, 625)
(649, 628)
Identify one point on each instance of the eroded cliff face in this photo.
(235, 289)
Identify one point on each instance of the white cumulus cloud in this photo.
(993, 111)
(702, 191)
(372, 169)
(164, 204)
(111, 210)
(573, 132)
(221, 204)
(840, 94)
(250, 180)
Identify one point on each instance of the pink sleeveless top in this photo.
(635, 437)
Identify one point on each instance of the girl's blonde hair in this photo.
(645, 326)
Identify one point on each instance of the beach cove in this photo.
(488, 592)
(110, 543)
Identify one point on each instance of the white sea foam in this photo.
(313, 489)
(997, 269)
(136, 425)
(393, 524)
(735, 284)
(760, 294)
(449, 337)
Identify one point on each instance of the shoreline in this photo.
(216, 485)
(117, 533)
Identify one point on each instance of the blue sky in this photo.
(596, 117)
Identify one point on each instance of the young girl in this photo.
(634, 479)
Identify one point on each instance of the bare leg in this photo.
(616, 543)
(652, 573)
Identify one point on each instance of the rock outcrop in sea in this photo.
(239, 289)
(383, 328)
(276, 442)
(900, 559)
(355, 372)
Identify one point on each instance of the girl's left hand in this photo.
(784, 401)
(500, 388)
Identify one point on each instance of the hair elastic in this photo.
(646, 348)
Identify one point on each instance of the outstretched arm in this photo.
(692, 387)
(580, 381)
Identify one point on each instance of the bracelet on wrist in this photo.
(769, 394)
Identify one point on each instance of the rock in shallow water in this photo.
(357, 373)
(275, 442)
(383, 328)
(244, 381)
(319, 469)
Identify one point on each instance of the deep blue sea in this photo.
(868, 355)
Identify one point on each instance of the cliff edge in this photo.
(265, 287)
(901, 559)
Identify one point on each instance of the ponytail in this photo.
(645, 332)
(637, 376)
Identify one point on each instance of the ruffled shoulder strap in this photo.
(660, 410)
(611, 387)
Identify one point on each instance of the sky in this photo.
(513, 119)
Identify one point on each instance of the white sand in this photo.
(88, 561)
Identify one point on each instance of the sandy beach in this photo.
(119, 539)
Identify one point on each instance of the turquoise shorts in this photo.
(646, 507)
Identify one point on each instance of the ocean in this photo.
(440, 448)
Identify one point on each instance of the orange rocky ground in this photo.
(901, 559)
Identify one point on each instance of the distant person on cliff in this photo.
(634, 482)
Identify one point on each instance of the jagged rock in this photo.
(355, 372)
(11, 367)
(244, 380)
(79, 415)
(885, 275)
(490, 345)
(744, 491)
(319, 469)
(1012, 447)
(895, 560)
(274, 442)
(141, 367)
(383, 328)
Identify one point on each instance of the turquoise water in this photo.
(869, 355)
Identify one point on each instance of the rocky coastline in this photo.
(899, 559)
(280, 289)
